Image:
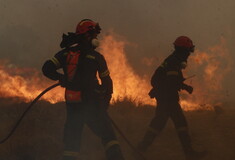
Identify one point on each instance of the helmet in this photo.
(87, 25)
(184, 42)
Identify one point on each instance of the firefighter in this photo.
(167, 81)
(86, 100)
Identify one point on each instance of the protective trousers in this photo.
(167, 109)
(98, 121)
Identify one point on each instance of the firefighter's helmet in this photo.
(184, 42)
(87, 25)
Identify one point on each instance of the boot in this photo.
(69, 158)
(190, 153)
(70, 155)
(195, 155)
(147, 141)
(114, 153)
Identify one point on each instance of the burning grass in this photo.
(211, 67)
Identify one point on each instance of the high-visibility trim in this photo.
(164, 64)
(99, 91)
(153, 130)
(110, 144)
(172, 73)
(182, 129)
(56, 62)
(66, 53)
(90, 56)
(104, 74)
(73, 96)
(71, 154)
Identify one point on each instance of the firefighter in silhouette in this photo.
(86, 100)
(167, 81)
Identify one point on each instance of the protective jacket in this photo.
(80, 66)
(168, 79)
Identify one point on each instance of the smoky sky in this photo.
(30, 30)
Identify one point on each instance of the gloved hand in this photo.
(106, 101)
(188, 88)
(62, 80)
(103, 97)
(152, 93)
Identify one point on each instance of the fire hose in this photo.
(25, 112)
(39, 96)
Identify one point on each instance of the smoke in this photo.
(31, 30)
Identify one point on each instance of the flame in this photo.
(25, 84)
(210, 67)
(126, 82)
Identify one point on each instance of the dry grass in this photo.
(39, 137)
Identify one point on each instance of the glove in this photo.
(106, 101)
(103, 97)
(188, 88)
(152, 93)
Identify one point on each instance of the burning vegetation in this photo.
(210, 68)
(25, 84)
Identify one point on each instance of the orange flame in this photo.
(210, 68)
(25, 83)
(126, 82)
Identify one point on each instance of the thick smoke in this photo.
(31, 30)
